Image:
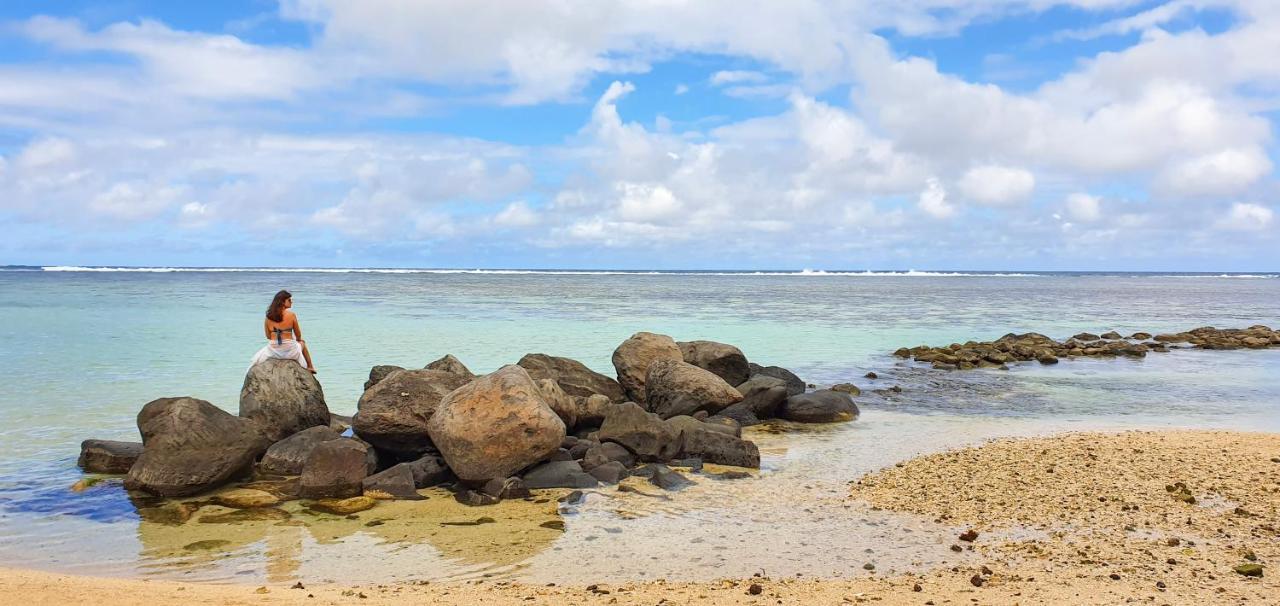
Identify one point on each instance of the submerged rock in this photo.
(723, 360)
(108, 456)
(287, 456)
(632, 359)
(334, 469)
(823, 406)
(677, 388)
(573, 376)
(191, 446)
(344, 507)
(393, 414)
(495, 426)
(246, 498)
(283, 398)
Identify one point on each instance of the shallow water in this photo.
(82, 352)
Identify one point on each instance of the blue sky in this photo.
(917, 134)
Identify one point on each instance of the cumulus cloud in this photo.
(1226, 172)
(1246, 217)
(995, 185)
(1084, 207)
(933, 200)
(516, 214)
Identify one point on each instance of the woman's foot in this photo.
(311, 370)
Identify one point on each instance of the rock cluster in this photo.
(1037, 347)
(546, 422)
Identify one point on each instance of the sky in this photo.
(642, 134)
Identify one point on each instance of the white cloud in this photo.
(681, 89)
(45, 153)
(135, 200)
(516, 214)
(995, 185)
(647, 203)
(1225, 172)
(933, 200)
(1246, 217)
(1084, 207)
(723, 77)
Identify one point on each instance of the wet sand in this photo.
(1078, 518)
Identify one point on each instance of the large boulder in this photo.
(592, 410)
(641, 432)
(573, 376)
(335, 469)
(283, 398)
(632, 359)
(678, 388)
(565, 406)
(725, 361)
(395, 482)
(428, 471)
(761, 397)
(709, 443)
(287, 456)
(378, 373)
(822, 406)
(451, 364)
(108, 456)
(495, 426)
(795, 385)
(393, 414)
(190, 446)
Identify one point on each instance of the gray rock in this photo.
(495, 426)
(581, 448)
(334, 469)
(607, 452)
(339, 423)
(283, 398)
(700, 440)
(108, 456)
(632, 359)
(724, 425)
(394, 413)
(678, 388)
(794, 384)
(642, 433)
(287, 456)
(190, 446)
(378, 373)
(565, 406)
(667, 479)
(559, 474)
(592, 410)
(506, 488)
(823, 406)
(430, 470)
(725, 361)
(475, 498)
(451, 364)
(396, 481)
(573, 376)
(609, 473)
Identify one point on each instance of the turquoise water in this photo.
(81, 352)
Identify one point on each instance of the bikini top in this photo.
(280, 331)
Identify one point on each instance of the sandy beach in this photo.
(1076, 518)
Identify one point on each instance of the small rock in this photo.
(553, 524)
(246, 498)
(755, 589)
(508, 488)
(969, 536)
(475, 498)
(977, 580)
(873, 375)
(344, 507)
(573, 498)
(1249, 570)
(917, 588)
(868, 566)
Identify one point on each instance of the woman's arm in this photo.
(297, 328)
(266, 328)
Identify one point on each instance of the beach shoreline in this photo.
(1094, 524)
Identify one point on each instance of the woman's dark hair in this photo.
(275, 313)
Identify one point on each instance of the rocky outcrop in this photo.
(393, 415)
(632, 359)
(822, 406)
(190, 446)
(378, 373)
(678, 388)
(108, 456)
(495, 426)
(287, 456)
(451, 364)
(573, 376)
(724, 361)
(283, 398)
(335, 469)
(710, 444)
(643, 433)
(794, 384)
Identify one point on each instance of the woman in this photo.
(284, 335)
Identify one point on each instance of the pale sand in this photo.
(1046, 537)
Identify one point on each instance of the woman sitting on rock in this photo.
(284, 335)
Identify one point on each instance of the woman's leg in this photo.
(307, 355)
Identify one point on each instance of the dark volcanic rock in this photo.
(761, 395)
(643, 433)
(573, 376)
(429, 470)
(506, 488)
(287, 456)
(475, 498)
(724, 361)
(677, 388)
(394, 413)
(665, 478)
(108, 456)
(495, 426)
(699, 439)
(794, 384)
(632, 359)
(609, 473)
(334, 469)
(559, 474)
(396, 481)
(283, 398)
(608, 452)
(451, 364)
(190, 446)
(378, 373)
(823, 406)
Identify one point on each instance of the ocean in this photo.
(82, 349)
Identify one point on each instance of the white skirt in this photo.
(287, 350)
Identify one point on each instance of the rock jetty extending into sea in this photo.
(544, 422)
(1037, 347)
